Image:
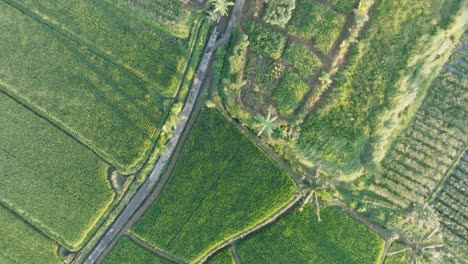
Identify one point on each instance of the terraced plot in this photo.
(126, 251)
(21, 243)
(221, 186)
(300, 238)
(102, 76)
(49, 179)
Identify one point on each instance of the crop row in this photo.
(300, 238)
(48, 178)
(145, 51)
(222, 185)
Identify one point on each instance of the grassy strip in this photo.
(20, 243)
(122, 113)
(368, 89)
(222, 185)
(48, 178)
(300, 238)
(127, 251)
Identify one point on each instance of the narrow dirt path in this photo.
(234, 252)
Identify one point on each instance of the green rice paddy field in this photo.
(21, 243)
(221, 186)
(49, 179)
(85, 86)
(69, 61)
(300, 238)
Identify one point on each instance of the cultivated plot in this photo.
(300, 238)
(127, 251)
(49, 179)
(104, 77)
(21, 243)
(222, 185)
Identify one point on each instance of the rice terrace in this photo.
(233, 131)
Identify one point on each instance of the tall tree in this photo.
(220, 8)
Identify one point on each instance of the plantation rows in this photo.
(21, 243)
(168, 15)
(49, 179)
(427, 148)
(300, 238)
(451, 203)
(221, 186)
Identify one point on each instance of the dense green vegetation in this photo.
(223, 257)
(289, 92)
(20, 243)
(222, 185)
(278, 12)
(48, 178)
(314, 21)
(345, 6)
(264, 40)
(339, 132)
(300, 238)
(303, 61)
(71, 63)
(127, 251)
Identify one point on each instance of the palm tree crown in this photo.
(266, 124)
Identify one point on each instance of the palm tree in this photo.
(424, 249)
(315, 189)
(220, 8)
(266, 124)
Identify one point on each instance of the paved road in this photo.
(144, 191)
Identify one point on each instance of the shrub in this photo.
(289, 92)
(265, 41)
(302, 59)
(278, 12)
